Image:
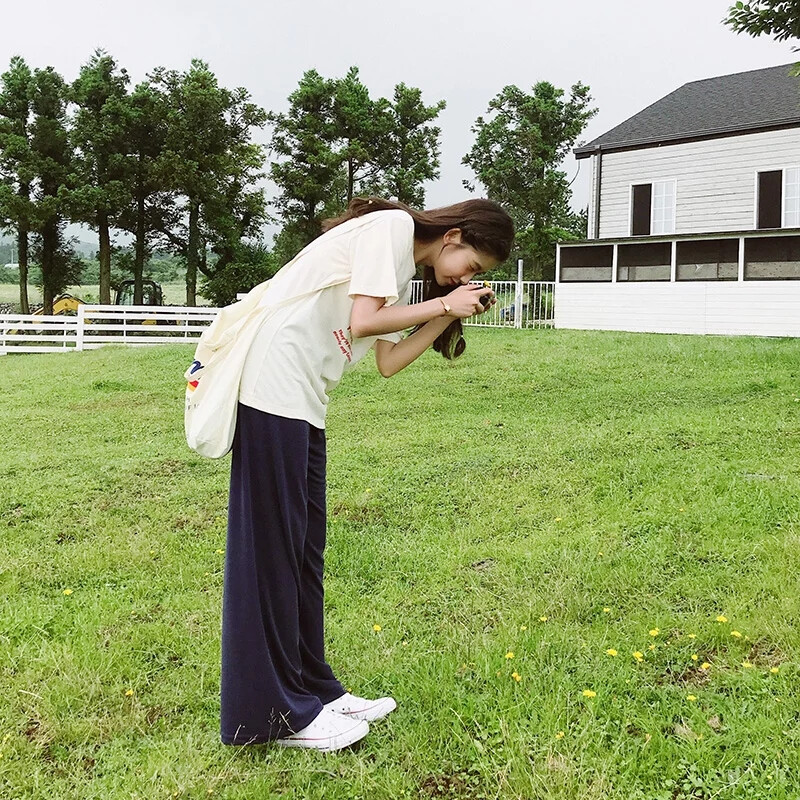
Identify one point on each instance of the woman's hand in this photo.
(466, 300)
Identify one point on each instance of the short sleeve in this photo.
(381, 255)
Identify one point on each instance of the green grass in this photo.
(174, 293)
(549, 474)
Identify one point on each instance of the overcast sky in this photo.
(629, 52)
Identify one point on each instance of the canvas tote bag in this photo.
(214, 376)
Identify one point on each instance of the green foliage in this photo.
(208, 159)
(308, 169)
(777, 18)
(64, 266)
(252, 264)
(51, 162)
(413, 146)
(336, 142)
(516, 156)
(549, 474)
(101, 187)
(16, 163)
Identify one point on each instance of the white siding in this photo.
(715, 180)
(756, 308)
(592, 233)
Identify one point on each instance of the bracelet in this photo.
(444, 305)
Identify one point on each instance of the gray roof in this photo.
(730, 104)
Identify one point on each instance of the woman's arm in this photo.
(391, 357)
(370, 317)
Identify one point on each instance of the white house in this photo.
(694, 215)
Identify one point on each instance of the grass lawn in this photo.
(582, 550)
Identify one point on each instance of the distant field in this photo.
(174, 293)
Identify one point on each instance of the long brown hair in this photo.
(484, 225)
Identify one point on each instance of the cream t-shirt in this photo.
(301, 351)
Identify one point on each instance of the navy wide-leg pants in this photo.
(275, 679)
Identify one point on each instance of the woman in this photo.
(345, 294)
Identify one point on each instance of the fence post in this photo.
(518, 297)
(81, 326)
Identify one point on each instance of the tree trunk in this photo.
(105, 258)
(192, 254)
(49, 246)
(350, 179)
(22, 260)
(138, 264)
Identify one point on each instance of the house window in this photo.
(769, 199)
(653, 208)
(791, 197)
(779, 198)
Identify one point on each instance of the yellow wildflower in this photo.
(694, 656)
(747, 665)
(705, 665)
(377, 628)
(67, 591)
(516, 676)
(560, 735)
(219, 552)
(736, 634)
(129, 693)
(652, 646)
(611, 651)
(606, 610)
(774, 670)
(558, 519)
(653, 631)
(589, 693)
(542, 619)
(722, 618)
(638, 656)
(523, 627)
(509, 654)
(691, 698)
(692, 635)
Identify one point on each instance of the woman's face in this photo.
(459, 263)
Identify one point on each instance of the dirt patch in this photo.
(362, 514)
(462, 784)
(764, 653)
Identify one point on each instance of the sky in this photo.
(629, 52)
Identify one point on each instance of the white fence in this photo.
(99, 325)
(520, 304)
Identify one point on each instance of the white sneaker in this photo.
(349, 705)
(327, 732)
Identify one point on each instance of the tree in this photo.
(209, 159)
(413, 146)
(98, 136)
(250, 265)
(778, 18)
(361, 130)
(150, 201)
(335, 142)
(16, 168)
(309, 167)
(516, 157)
(51, 161)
